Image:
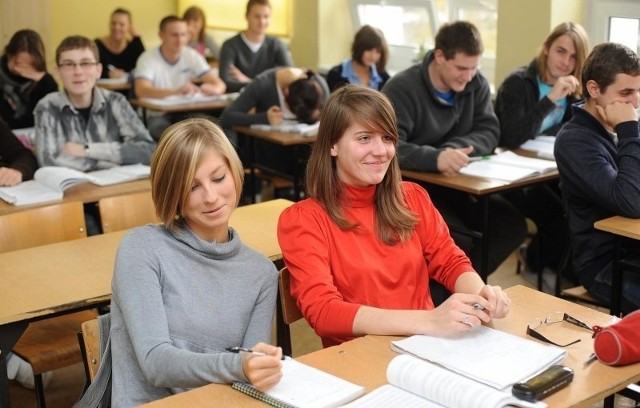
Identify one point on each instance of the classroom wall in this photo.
(524, 24)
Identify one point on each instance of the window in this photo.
(616, 21)
(410, 26)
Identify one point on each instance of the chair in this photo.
(126, 211)
(95, 343)
(287, 311)
(48, 344)
(89, 340)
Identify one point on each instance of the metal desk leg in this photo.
(9, 336)
(484, 260)
(616, 279)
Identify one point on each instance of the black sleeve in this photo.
(14, 154)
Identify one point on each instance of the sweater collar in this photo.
(358, 197)
(212, 249)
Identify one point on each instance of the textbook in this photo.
(304, 386)
(508, 166)
(289, 126)
(50, 182)
(542, 145)
(485, 355)
(415, 383)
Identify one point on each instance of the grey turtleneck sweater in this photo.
(177, 303)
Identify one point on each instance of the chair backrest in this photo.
(90, 346)
(42, 225)
(126, 211)
(287, 312)
(290, 311)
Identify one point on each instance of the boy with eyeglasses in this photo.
(83, 126)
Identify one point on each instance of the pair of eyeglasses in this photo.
(555, 317)
(70, 66)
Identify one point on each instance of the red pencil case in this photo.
(619, 344)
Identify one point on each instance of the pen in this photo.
(245, 350)
(111, 67)
(590, 360)
(478, 306)
(478, 158)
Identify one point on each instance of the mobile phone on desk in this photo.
(544, 384)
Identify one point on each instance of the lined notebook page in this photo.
(304, 386)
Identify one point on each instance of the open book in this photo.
(289, 126)
(304, 386)
(415, 383)
(542, 145)
(508, 166)
(486, 355)
(50, 182)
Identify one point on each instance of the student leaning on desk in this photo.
(184, 291)
(362, 248)
(169, 70)
(598, 155)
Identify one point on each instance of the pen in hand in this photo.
(244, 350)
(478, 158)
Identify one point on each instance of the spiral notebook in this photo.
(304, 386)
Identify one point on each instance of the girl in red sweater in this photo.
(362, 248)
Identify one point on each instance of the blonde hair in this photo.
(348, 105)
(581, 43)
(180, 152)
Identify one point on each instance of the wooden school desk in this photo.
(621, 227)
(114, 85)
(482, 189)
(87, 193)
(293, 140)
(66, 277)
(146, 104)
(364, 361)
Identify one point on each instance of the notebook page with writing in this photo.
(391, 396)
(512, 159)
(305, 386)
(490, 356)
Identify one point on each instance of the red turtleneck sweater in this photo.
(334, 272)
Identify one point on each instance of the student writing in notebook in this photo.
(362, 248)
(276, 95)
(185, 290)
(535, 100)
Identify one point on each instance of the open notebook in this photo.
(508, 166)
(50, 182)
(542, 145)
(304, 386)
(486, 355)
(289, 126)
(176, 100)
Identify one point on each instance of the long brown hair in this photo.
(347, 105)
(581, 43)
